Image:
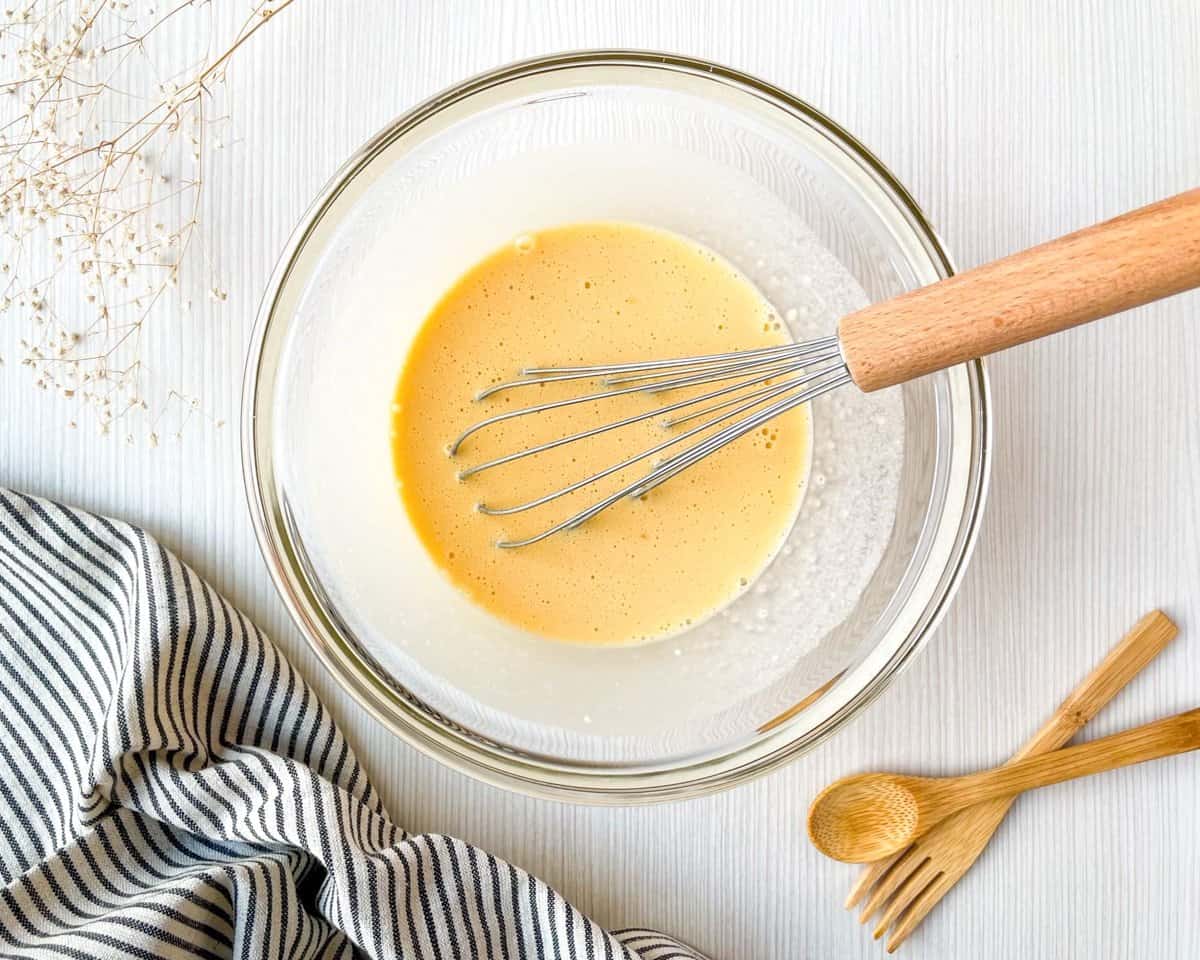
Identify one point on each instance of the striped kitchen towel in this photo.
(170, 786)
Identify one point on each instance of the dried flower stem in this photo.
(111, 204)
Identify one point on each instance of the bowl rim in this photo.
(437, 736)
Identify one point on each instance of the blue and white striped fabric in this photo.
(171, 788)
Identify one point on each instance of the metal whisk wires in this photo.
(759, 385)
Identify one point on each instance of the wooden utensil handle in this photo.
(1144, 641)
(1145, 255)
(1162, 738)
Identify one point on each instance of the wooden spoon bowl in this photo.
(874, 815)
(868, 816)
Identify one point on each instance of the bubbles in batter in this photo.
(644, 569)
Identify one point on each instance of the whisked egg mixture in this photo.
(641, 570)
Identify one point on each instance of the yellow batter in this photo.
(580, 294)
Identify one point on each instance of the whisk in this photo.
(1145, 255)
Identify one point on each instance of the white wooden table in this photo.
(1011, 122)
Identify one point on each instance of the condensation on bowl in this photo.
(412, 232)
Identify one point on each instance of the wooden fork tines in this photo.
(909, 885)
(903, 889)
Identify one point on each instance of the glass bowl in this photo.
(781, 191)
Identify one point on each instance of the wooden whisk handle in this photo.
(1145, 255)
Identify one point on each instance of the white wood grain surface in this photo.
(1011, 122)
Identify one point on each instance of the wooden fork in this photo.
(907, 886)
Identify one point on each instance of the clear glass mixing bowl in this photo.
(666, 140)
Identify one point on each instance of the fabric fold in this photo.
(170, 787)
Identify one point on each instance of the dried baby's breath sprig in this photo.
(101, 171)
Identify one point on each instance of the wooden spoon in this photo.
(903, 889)
(873, 815)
